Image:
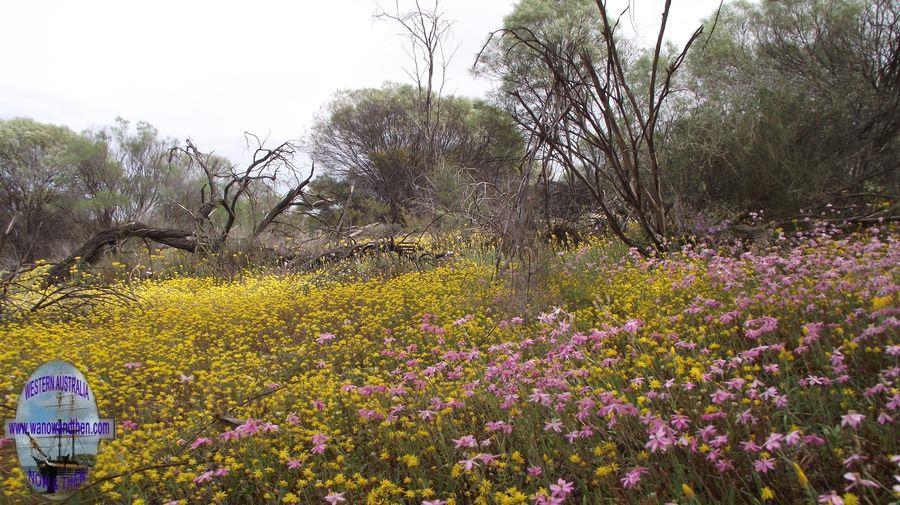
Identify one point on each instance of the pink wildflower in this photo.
(488, 459)
(466, 441)
(553, 425)
(831, 498)
(562, 488)
(660, 439)
(251, 427)
(200, 441)
(721, 396)
(755, 328)
(203, 477)
(852, 419)
(334, 498)
(856, 480)
(325, 337)
(763, 465)
(319, 441)
(633, 477)
(230, 435)
(773, 443)
(469, 464)
(632, 325)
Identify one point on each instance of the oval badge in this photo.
(57, 429)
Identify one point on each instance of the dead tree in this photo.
(221, 190)
(91, 251)
(426, 30)
(293, 198)
(591, 119)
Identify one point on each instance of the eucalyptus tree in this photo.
(591, 103)
(792, 105)
(371, 138)
(35, 176)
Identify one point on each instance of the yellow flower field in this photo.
(708, 376)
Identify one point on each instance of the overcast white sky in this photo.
(211, 70)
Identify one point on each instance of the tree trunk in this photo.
(91, 251)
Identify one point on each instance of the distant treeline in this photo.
(784, 108)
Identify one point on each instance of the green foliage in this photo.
(562, 24)
(61, 187)
(34, 174)
(557, 21)
(347, 206)
(792, 105)
(378, 141)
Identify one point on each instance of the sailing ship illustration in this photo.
(68, 465)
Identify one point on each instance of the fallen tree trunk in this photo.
(91, 251)
(387, 245)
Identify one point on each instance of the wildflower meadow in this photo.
(712, 375)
